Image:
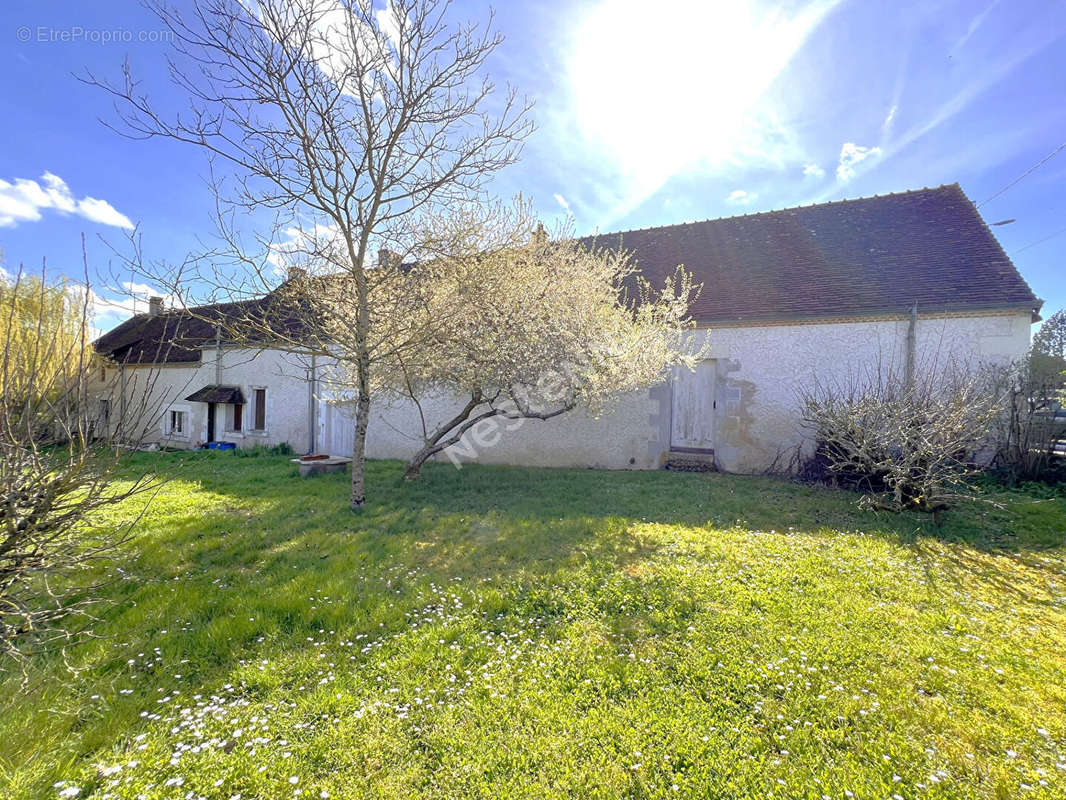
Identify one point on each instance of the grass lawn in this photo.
(497, 632)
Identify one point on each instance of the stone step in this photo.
(689, 462)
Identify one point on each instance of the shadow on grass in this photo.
(1012, 522)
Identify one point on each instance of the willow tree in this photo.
(342, 125)
(44, 337)
(507, 324)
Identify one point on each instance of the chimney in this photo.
(387, 258)
(155, 306)
(296, 273)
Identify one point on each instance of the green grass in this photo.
(497, 632)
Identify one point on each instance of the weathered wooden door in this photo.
(692, 408)
(336, 428)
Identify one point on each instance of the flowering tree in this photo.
(520, 325)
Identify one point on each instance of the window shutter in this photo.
(260, 409)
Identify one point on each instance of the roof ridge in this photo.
(770, 212)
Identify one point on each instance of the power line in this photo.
(1040, 241)
(1031, 169)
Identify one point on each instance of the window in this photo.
(238, 414)
(177, 422)
(259, 423)
(105, 410)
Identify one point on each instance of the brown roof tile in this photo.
(873, 255)
(853, 257)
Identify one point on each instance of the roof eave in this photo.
(1031, 308)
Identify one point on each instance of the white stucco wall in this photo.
(616, 439)
(152, 391)
(760, 371)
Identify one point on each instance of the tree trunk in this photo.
(357, 497)
(362, 418)
(358, 491)
(414, 465)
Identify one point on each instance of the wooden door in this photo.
(210, 422)
(336, 428)
(692, 408)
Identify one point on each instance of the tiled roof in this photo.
(175, 337)
(853, 257)
(875, 255)
(218, 394)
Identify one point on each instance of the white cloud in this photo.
(312, 247)
(333, 36)
(23, 201)
(101, 211)
(852, 154)
(975, 23)
(813, 170)
(741, 197)
(128, 298)
(562, 201)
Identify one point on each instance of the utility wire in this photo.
(1025, 174)
(1040, 241)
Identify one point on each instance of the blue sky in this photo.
(647, 113)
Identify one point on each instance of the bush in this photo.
(283, 449)
(1025, 433)
(54, 480)
(906, 447)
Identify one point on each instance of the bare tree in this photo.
(908, 445)
(56, 476)
(514, 324)
(344, 124)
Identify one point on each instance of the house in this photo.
(819, 293)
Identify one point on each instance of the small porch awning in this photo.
(218, 394)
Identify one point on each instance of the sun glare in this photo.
(665, 85)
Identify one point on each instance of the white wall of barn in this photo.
(759, 372)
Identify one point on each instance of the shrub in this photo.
(907, 447)
(54, 480)
(283, 449)
(1025, 433)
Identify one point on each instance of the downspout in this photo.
(912, 326)
(311, 406)
(218, 356)
(121, 402)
